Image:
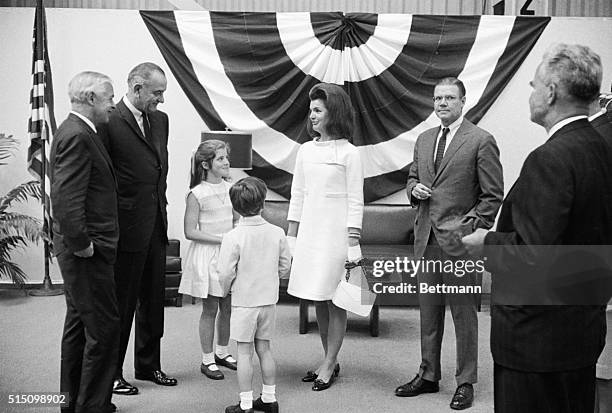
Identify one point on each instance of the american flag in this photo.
(41, 125)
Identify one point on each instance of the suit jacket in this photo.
(603, 125)
(83, 191)
(466, 192)
(563, 196)
(142, 168)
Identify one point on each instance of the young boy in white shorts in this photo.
(253, 256)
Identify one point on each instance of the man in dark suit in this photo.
(545, 355)
(137, 138)
(601, 119)
(456, 182)
(85, 227)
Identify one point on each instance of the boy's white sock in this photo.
(268, 393)
(246, 400)
(209, 358)
(221, 352)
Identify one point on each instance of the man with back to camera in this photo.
(137, 138)
(601, 119)
(545, 355)
(456, 182)
(85, 227)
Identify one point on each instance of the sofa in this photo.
(173, 273)
(387, 233)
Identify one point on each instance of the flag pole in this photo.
(46, 121)
(46, 289)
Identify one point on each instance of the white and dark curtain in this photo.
(251, 72)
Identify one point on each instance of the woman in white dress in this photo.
(325, 215)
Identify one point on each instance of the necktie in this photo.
(440, 150)
(146, 126)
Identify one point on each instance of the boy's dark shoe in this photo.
(237, 409)
(262, 406)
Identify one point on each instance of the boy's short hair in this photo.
(248, 196)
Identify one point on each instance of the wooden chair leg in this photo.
(374, 317)
(303, 316)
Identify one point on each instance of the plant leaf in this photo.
(7, 146)
(21, 193)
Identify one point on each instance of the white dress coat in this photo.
(326, 199)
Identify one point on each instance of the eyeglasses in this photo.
(448, 98)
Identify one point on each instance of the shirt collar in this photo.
(86, 120)
(564, 122)
(253, 220)
(596, 115)
(453, 126)
(137, 113)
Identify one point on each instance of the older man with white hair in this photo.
(545, 354)
(86, 230)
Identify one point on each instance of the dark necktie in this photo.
(146, 126)
(440, 150)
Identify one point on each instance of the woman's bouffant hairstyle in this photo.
(206, 152)
(248, 196)
(340, 114)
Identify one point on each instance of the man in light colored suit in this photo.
(456, 183)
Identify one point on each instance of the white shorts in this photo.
(250, 323)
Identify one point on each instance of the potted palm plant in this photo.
(16, 229)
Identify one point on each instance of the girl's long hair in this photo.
(206, 152)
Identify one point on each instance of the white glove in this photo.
(354, 253)
(291, 242)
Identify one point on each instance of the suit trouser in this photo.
(90, 340)
(557, 392)
(140, 278)
(432, 311)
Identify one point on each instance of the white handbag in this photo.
(353, 294)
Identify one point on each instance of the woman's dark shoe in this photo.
(312, 376)
(319, 384)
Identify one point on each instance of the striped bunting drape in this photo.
(251, 72)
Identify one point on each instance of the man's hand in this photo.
(421, 192)
(85, 253)
(474, 243)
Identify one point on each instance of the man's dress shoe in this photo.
(232, 365)
(463, 398)
(312, 376)
(417, 386)
(157, 377)
(237, 409)
(120, 386)
(261, 406)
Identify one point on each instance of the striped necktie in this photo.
(440, 150)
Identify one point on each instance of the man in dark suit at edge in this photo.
(137, 138)
(545, 355)
(601, 119)
(85, 227)
(456, 182)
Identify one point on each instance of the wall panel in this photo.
(576, 8)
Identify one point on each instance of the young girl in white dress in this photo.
(209, 215)
(325, 214)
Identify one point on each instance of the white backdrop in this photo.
(114, 41)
